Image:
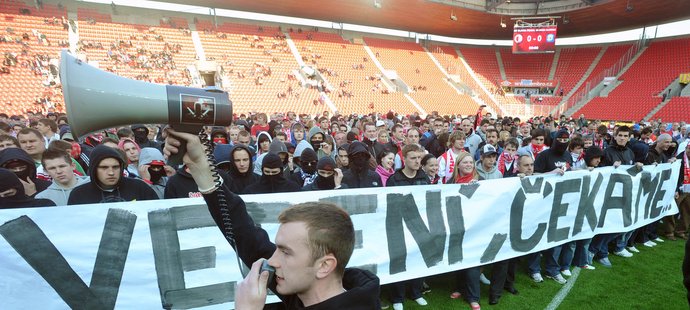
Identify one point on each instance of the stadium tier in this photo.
(263, 69)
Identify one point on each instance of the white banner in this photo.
(144, 255)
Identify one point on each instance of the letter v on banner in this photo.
(39, 252)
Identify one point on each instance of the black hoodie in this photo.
(363, 178)
(8, 155)
(274, 183)
(9, 180)
(362, 288)
(127, 189)
(240, 181)
(143, 140)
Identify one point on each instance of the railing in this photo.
(583, 93)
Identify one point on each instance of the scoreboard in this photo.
(534, 39)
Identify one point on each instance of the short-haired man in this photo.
(60, 167)
(32, 141)
(48, 128)
(107, 183)
(313, 245)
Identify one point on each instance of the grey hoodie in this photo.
(58, 194)
(493, 173)
(276, 147)
(147, 155)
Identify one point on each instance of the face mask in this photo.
(309, 168)
(272, 178)
(360, 163)
(325, 182)
(220, 141)
(23, 175)
(140, 137)
(156, 175)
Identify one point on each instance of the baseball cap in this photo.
(380, 123)
(488, 149)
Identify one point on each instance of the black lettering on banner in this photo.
(431, 240)
(39, 252)
(586, 206)
(624, 202)
(530, 188)
(559, 209)
(647, 187)
(456, 226)
(516, 215)
(171, 261)
(656, 210)
(493, 248)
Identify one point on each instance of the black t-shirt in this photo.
(547, 161)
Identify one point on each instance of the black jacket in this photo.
(654, 157)
(365, 179)
(240, 181)
(127, 189)
(182, 185)
(9, 180)
(265, 185)
(400, 179)
(615, 152)
(362, 287)
(8, 155)
(432, 145)
(374, 147)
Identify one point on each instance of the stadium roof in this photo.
(476, 19)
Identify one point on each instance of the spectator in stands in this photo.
(125, 133)
(507, 161)
(297, 130)
(60, 167)
(12, 193)
(537, 144)
(342, 161)
(430, 167)
(430, 139)
(263, 143)
(260, 125)
(384, 166)
(305, 174)
(576, 149)
(491, 138)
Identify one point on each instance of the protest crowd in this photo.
(43, 164)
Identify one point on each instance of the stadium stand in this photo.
(355, 80)
(261, 68)
(429, 85)
(656, 68)
(676, 110)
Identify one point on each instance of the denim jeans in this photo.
(622, 241)
(533, 263)
(398, 290)
(567, 254)
(551, 259)
(600, 244)
(580, 255)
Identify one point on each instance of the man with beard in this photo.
(141, 137)
(107, 183)
(359, 175)
(327, 176)
(272, 179)
(555, 160)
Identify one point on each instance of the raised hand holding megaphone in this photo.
(97, 100)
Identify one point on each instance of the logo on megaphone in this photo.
(97, 100)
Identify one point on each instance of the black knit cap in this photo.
(272, 161)
(308, 155)
(326, 163)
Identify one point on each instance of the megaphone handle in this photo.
(175, 160)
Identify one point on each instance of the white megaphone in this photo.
(97, 100)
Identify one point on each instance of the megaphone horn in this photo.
(97, 100)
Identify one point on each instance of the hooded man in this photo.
(219, 136)
(141, 137)
(153, 170)
(12, 193)
(221, 153)
(279, 148)
(327, 177)
(555, 159)
(316, 137)
(359, 175)
(107, 183)
(272, 179)
(306, 173)
(19, 162)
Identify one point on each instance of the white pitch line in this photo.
(558, 299)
